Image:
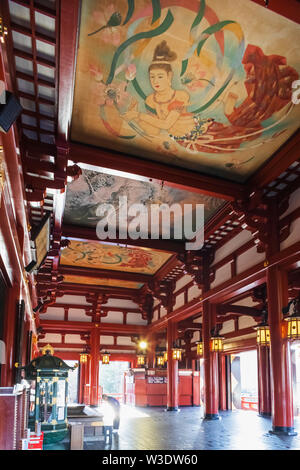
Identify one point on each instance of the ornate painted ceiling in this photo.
(92, 188)
(197, 84)
(111, 257)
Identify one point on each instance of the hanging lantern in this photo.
(166, 356)
(141, 359)
(105, 358)
(216, 344)
(83, 358)
(263, 334)
(160, 361)
(176, 352)
(199, 348)
(293, 327)
(293, 319)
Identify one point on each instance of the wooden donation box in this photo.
(14, 406)
(149, 387)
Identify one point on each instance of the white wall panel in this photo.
(135, 319)
(245, 322)
(248, 259)
(294, 203)
(229, 247)
(194, 292)
(294, 235)
(222, 275)
(228, 327)
(76, 314)
(106, 339)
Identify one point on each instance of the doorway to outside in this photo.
(295, 350)
(244, 383)
(111, 378)
(73, 383)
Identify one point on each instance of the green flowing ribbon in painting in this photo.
(196, 22)
(130, 11)
(156, 10)
(212, 30)
(162, 28)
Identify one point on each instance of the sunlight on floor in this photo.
(128, 412)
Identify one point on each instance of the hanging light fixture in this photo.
(263, 330)
(176, 351)
(143, 345)
(293, 319)
(199, 348)
(83, 358)
(216, 343)
(160, 361)
(263, 335)
(166, 356)
(105, 357)
(141, 359)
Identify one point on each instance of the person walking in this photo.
(114, 403)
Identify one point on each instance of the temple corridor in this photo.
(155, 429)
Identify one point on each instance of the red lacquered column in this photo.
(8, 369)
(264, 386)
(280, 359)
(211, 386)
(95, 358)
(172, 389)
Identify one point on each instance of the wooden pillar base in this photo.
(172, 408)
(283, 431)
(211, 417)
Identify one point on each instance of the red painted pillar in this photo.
(264, 385)
(8, 369)
(95, 358)
(222, 382)
(211, 385)
(172, 389)
(280, 357)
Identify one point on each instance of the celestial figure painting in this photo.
(199, 84)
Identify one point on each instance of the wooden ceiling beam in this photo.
(181, 178)
(280, 161)
(78, 233)
(53, 326)
(69, 18)
(114, 347)
(104, 273)
(82, 289)
(289, 8)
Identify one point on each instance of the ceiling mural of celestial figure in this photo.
(199, 84)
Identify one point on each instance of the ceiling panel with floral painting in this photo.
(112, 257)
(205, 85)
